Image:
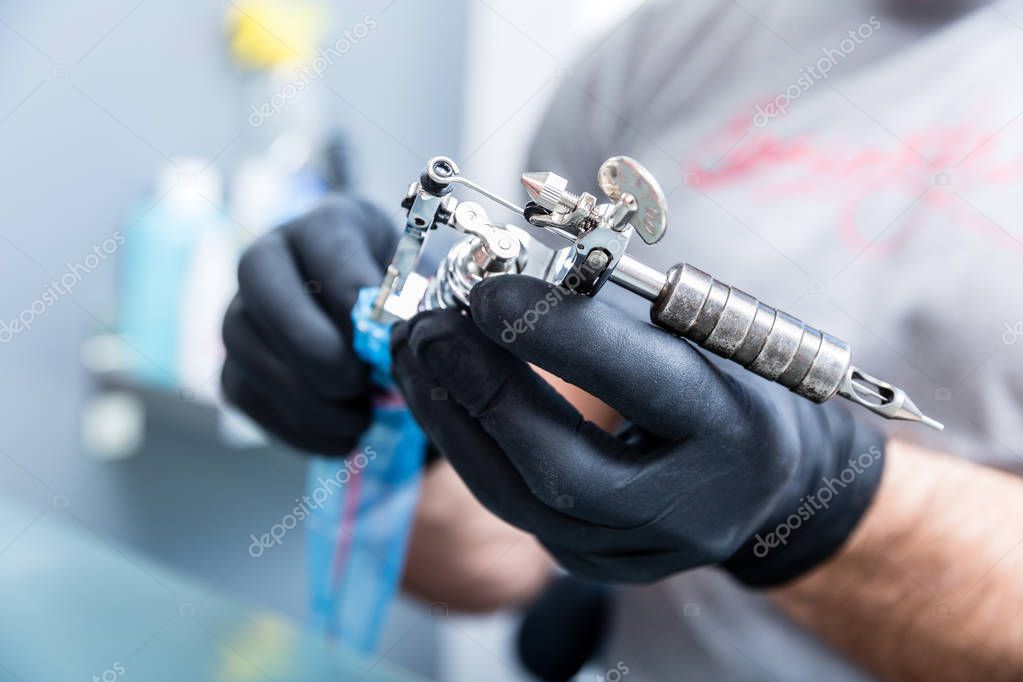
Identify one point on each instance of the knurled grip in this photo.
(764, 340)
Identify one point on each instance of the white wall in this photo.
(513, 53)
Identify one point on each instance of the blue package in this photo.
(358, 536)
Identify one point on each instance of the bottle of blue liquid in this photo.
(358, 536)
(175, 247)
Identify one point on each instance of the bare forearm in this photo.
(928, 587)
(464, 556)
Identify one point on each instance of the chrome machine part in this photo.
(427, 204)
(770, 342)
(638, 278)
(489, 251)
(601, 233)
(766, 341)
(637, 197)
(686, 301)
(882, 398)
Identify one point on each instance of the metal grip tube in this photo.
(764, 340)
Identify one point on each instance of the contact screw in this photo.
(549, 191)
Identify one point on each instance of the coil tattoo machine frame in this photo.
(685, 301)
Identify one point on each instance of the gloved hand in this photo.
(719, 467)
(288, 332)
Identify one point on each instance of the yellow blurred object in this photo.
(266, 645)
(264, 34)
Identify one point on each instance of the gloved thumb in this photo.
(656, 380)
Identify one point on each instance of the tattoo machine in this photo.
(685, 301)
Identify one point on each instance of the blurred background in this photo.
(146, 144)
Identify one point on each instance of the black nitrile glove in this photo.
(719, 467)
(288, 332)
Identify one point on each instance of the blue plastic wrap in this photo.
(358, 537)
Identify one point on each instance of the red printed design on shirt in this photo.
(933, 172)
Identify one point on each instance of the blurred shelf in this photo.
(124, 405)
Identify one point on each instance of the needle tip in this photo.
(882, 398)
(911, 412)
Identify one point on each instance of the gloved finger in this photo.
(282, 386)
(341, 247)
(254, 400)
(626, 567)
(656, 380)
(302, 421)
(260, 379)
(484, 466)
(474, 454)
(302, 334)
(569, 464)
(244, 342)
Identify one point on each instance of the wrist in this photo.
(893, 517)
(830, 495)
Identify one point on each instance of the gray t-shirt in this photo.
(857, 164)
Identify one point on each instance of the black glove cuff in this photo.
(810, 529)
(432, 455)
